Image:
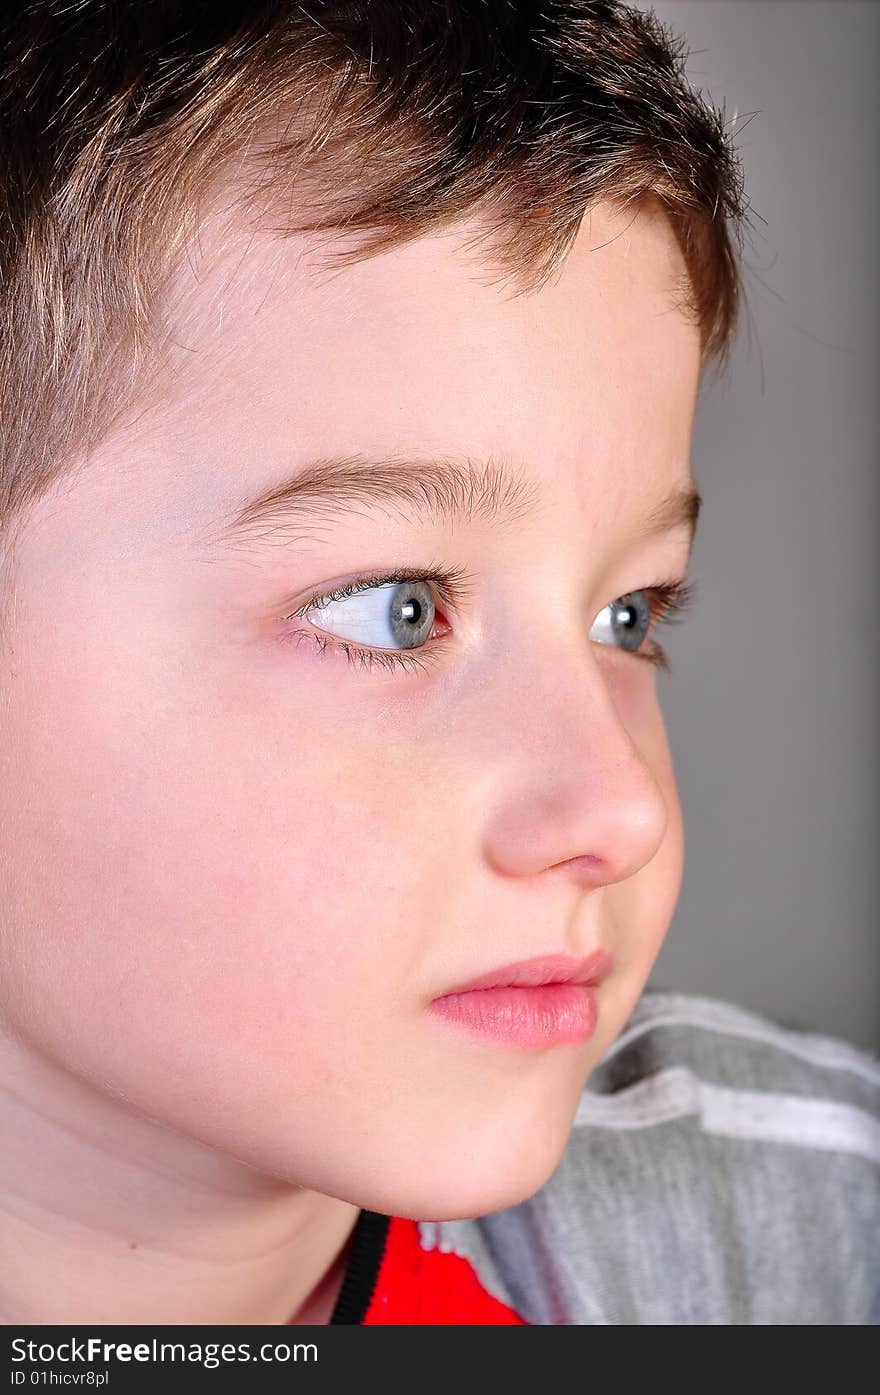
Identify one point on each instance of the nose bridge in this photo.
(575, 785)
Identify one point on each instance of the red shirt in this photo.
(391, 1279)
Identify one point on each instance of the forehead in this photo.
(423, 341)
(277, 359)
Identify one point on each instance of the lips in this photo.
(533, 1004)
(589, 970)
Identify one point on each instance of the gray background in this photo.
(773, 702)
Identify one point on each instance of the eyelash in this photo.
(668, 601)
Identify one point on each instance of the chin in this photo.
(459, 1203)
(460, 1187)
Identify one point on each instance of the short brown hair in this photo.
(117, 117)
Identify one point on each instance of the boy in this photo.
(350, 362)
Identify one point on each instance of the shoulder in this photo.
(737, 1074)
(722, 1168)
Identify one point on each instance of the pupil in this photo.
(412, 610)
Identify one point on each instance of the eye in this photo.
(625, 622)
(628, 621)
(393, 615)
(387, 615)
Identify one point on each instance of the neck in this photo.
(113, 1218)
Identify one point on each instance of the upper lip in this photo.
(590, 970)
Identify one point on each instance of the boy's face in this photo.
(237, 869)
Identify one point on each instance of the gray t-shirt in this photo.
(722, 1169)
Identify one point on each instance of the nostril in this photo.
(586, 864)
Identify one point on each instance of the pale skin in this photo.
(235, 870)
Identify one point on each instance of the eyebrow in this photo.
(438, 490)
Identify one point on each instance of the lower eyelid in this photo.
(357, 656)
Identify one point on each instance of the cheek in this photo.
(201, 901)
(643, 906)
(659, 886)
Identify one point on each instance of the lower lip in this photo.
(546, 1016)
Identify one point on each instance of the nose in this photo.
(577, 794)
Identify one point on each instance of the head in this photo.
(293, 300)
